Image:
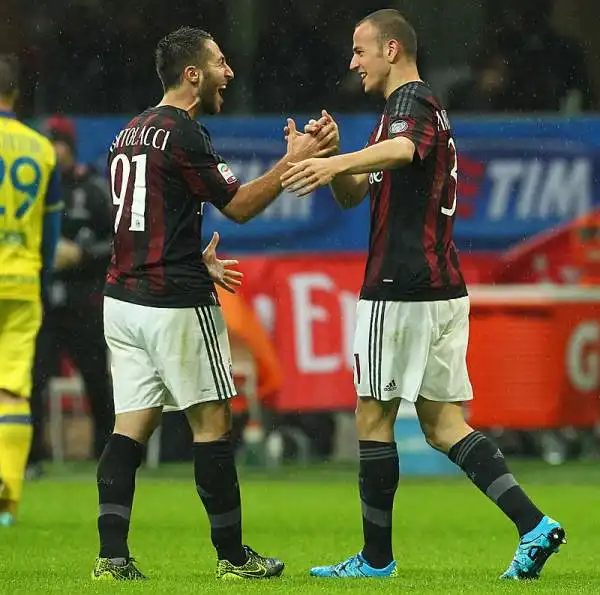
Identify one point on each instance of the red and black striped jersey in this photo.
(412, 256)
(162, 169)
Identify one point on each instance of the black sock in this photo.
(378, 480)
(218, 488)
(486, 467)
(116, 485)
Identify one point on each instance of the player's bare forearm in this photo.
(387, 154)
(308, 175)
(349, 190)
(255, 196)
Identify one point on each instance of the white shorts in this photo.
(407, 349)
(171, 357)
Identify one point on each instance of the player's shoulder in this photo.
(415, 99)
(195, 136)
(195, 129)
(48, 150)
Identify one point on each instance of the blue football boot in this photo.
(534, 550)
(355, 567)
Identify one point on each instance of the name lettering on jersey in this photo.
(19, 143)
(442, 120)
(146, 136)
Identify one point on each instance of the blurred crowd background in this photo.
(95, 56)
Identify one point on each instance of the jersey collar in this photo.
(4, 114)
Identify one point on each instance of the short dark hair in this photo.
(177, 50)
(9, 75)
(392, 25)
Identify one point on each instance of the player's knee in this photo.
(209, 421)
(434, 437)
(439, 436)
(374, 421)
(138, 425)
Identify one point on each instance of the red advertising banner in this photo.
(315, 332)
(534, 356)
(310, 305)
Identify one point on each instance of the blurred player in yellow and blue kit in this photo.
(30, 215)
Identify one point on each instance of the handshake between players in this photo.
(306, 175)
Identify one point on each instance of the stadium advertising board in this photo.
(517, 178)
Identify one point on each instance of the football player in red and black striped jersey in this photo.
(162, 319)
(413, 314)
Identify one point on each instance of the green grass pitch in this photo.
(448, 537)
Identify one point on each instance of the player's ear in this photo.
(192, 74)
(393, 50)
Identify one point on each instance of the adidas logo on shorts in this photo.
(390, 386)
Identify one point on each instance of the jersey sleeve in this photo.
(53, 205)
(414, 120)
(53, 200)
(208, 177)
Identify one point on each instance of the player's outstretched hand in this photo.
(219, 270)
(306, 176)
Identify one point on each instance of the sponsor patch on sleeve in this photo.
(226, 172)
(398, 126)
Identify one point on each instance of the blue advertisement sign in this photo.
(516, 179)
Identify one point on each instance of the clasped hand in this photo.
(306, 175)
